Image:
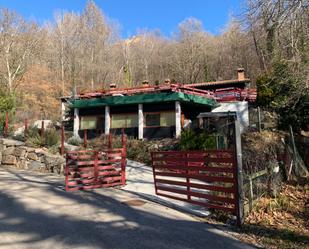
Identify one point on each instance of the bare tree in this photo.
(18, 40)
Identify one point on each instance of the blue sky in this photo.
(138, 14)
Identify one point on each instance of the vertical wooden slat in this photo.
(67, 173)
(123, 158)
(85, 138)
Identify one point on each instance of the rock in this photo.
(20, 152)
(9, 151)
(11, 142)
(34, 165)
(41, 151)
(30, 149)
(23, 164)
(32, 156)
(9, 159)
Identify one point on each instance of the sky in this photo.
(133, 15)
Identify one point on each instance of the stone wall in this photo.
(15, 153)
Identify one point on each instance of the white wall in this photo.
(241, 109)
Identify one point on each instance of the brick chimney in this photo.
(112, 86)
(241, 73)
(145, 83)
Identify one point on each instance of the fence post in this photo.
(85, 138)
(110, 140)
(26, 128)
(62, 141)
(250, 194)
(123, 158)
(239, 174)
(259, 119)
(6, 125)
(42, 128)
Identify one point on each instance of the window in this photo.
(152, 119)
(167, 119)
(160, 119)
(124, 120)
(88, 123)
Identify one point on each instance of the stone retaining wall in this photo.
(15, 153)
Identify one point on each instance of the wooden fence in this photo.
(205, 178)
(88, 169)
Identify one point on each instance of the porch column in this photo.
(76, 122)
(178, 118)
(107, 120)
(140, 121)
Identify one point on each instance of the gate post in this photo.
(6, 125)
(62, 140)
(67, 173)
(239, 175)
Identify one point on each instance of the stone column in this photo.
(178, 118)
(140, 121)
(76, 122)
(107, 120)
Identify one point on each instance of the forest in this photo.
(84, 51)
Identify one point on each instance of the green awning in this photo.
(143, 99)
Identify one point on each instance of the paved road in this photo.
(35, 212)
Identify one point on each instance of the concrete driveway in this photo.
(35, 212)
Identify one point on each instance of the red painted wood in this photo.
(195, 194)
(198, 186)
(197, 177)
(213, 168)
(88, 169)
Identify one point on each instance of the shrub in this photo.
(74, 141)
(192, 141)
(51, 137)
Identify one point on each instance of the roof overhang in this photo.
(144, 99)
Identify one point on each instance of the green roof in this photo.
(143, 99)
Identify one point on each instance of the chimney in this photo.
(167, 81)
(145, 83)
(241, 73)
(112, 86)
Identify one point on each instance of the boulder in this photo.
(9, 151)
(20, 152)
(11, 142)
(23, 164)
(9, 159)
(32, 156)
(35, 165)
(30, 149)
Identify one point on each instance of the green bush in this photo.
(192, 141)
(74, 141)
(51, 137)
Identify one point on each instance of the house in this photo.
(152, 111)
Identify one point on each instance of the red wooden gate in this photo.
(88, 169)
(205, 178)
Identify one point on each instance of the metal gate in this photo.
(88, 169)
(205, 178)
